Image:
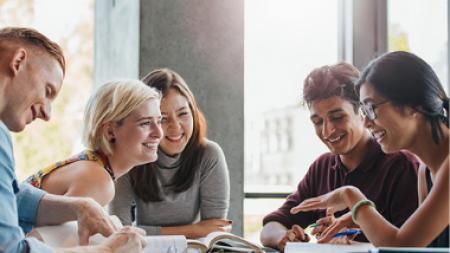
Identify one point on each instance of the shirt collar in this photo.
(368, 161)
(168, 162)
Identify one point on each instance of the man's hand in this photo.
(296, 234)
(93, 219)
(127, 240)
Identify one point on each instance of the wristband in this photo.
(360, 203)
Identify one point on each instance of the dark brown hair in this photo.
(31, 37)
(331, 80)
(144, 177)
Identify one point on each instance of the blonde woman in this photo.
(190, 175)
(122, 129)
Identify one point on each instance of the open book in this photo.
(227, 242)
(66, 236)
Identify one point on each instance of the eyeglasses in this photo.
(369, 109)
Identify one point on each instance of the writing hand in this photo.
(93, 219)
(296, 234)
(322, 224)
(338, 225)
(127, 240)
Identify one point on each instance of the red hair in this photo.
(33, 38)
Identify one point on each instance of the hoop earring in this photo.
(113, 140)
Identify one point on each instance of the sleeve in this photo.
(403, 193)
(12, 238)
(214, 183)
(121, 204)
(283, 214)
(27, 203)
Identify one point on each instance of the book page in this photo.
(65, 235)
(162, 243)
(409, 250)
(234, 242)
(305, 247)
(197, 246)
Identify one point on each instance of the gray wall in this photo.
(116, 40)
(201, 40)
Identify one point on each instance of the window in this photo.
(421, 27)
(47, 142)
(284, 41)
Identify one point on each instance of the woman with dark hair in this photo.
(186, 191)
(405, 107)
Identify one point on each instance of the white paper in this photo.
(161, 244)
(304, 247)
(66, 235)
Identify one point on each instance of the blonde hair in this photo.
(112, 102)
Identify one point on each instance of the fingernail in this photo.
(230, 221)
(306, 236)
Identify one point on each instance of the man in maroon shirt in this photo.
(389, 180)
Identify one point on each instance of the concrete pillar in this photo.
(201, 40)
(362, 31)
(116, 40)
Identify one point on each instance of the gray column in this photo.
(201, 40)
(362, 31)
(116, 40)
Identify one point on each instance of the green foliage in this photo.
(36, 148)
(44, 143)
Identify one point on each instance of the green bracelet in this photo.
(360, 203)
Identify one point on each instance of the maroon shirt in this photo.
(389, 180)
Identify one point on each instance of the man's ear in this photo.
(108, 130)
(17, 61)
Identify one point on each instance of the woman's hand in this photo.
(335, 226)
(205, 227)
(334, 199)
(323, 224)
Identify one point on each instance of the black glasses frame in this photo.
(369, 109)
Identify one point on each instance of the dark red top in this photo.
(389, 180)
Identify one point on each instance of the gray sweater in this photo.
(207, 198)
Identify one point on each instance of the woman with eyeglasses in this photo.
(405, 107)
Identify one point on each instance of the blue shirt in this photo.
(18, 204)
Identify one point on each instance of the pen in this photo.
(312, 226)
(350, 232)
